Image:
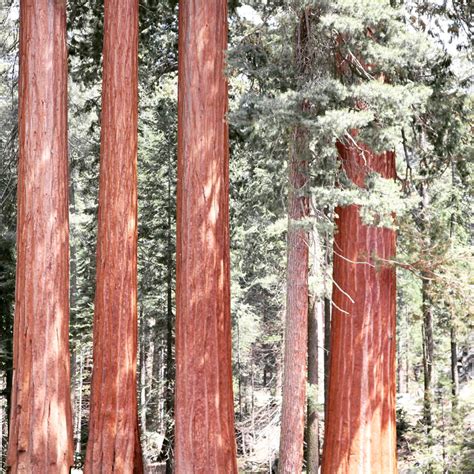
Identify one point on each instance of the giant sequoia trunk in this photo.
(296, 323)
(204, 412)
(41, 427)
(360, 424)
(113, 444)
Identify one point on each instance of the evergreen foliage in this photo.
(399, 74)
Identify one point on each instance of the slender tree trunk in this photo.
(454, 363)
(252, 397)
(428, 350)
(204, 411)
(41, 424)
(327, 314)
(169, 370)
(327, 347)
(78, 415)
(3, 415)
(143, 339)
(114, 444)
(454, 341)
(7, 336)
(170, 342)
(73, 254)
(76, 383)
(316, 316)
(360, 425)
(155, 415)
(296, 324)
(315, 356)
(402, 353)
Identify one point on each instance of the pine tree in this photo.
(114, 444)
(296, 325)
(297, 294)
(40, 430)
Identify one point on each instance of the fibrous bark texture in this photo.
(296, 323)
(360, 424)
(204, 429)
(113, 444)
(41, 428)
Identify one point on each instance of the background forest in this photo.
(281, 55)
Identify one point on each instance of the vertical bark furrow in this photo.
(296, 329)
(41, 428)
(204, 412)
(113, 444)
(360, 431)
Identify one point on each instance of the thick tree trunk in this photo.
(204, 411)
(360, 425)
(114, 444)
(296, 323)
(41, 425)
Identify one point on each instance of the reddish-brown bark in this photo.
(296, 323)
(360, 431)
(113, 444)
(204, 416)
(41, 429)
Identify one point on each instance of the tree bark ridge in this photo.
(204, 411)
(360, 431)
(41, 426)
(296, 323)
(113, 444)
